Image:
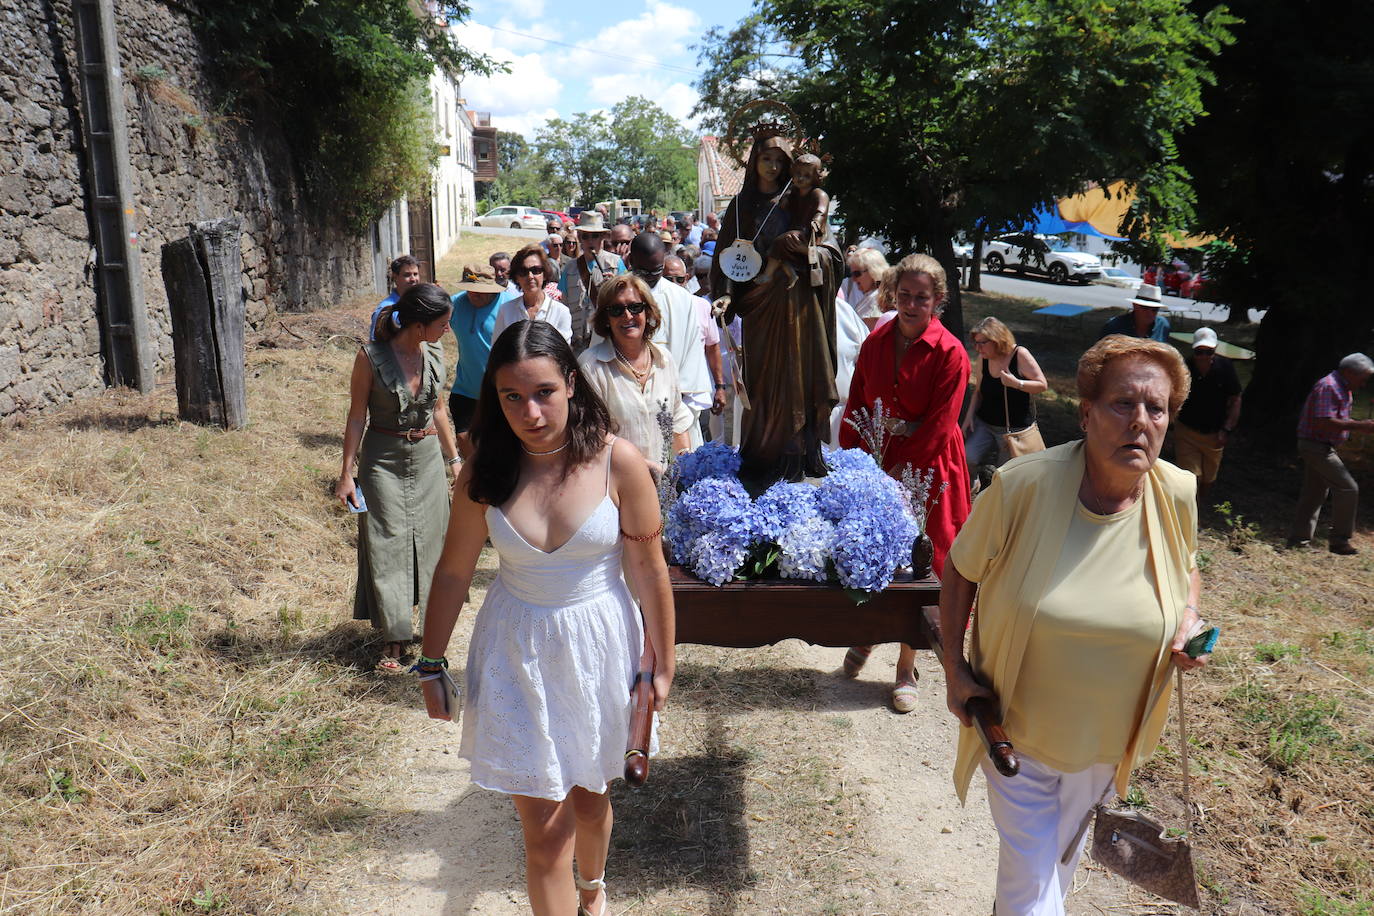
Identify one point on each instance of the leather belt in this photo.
(410, 435)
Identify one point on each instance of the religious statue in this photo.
(787, 309)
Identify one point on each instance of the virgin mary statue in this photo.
(788, 320)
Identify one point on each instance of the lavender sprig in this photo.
(872, 429)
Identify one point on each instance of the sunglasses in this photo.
(536, 269)
(617, 310)
(679, 280)
(857, 273)
(979, 341)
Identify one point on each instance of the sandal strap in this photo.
(595, 884)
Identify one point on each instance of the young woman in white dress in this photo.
(557, 643)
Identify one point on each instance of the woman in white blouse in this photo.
(866, 269)
(530, 269)
(636, 378)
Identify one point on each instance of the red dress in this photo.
(928, 387)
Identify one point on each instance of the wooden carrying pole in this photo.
(641, 719)
(205, 295)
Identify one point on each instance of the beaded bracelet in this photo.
(442, 661)
(642, 537)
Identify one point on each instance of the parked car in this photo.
(1115, 276)
(963, 254)
(563, 218)
(1195, 287)
(1171, 279)
(1042, 254)
(513, 218)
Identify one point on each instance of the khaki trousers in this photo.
(1323, 472)
(1197, 452)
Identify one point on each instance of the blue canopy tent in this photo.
(1046, 222)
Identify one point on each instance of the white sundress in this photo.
(551, 663)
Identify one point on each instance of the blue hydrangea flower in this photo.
(716, 556)
(843, 491)
(718, 507)
(871, 542)
(805, 547)
(850, 459)
(714, 459)
(782, 506)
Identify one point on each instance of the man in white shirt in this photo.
(680, 331)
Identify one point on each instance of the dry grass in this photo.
(187, 715)
(189, 721)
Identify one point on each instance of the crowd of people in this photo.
(586, 360)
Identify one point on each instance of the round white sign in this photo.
(741, 261)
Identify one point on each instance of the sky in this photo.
(619, 48)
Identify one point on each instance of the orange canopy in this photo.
(1104, 209)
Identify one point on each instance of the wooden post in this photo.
(205, 295)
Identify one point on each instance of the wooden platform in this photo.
(750, 614)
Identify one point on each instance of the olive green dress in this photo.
(405, 485)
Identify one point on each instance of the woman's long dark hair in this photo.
(496, 463)
(420, 304)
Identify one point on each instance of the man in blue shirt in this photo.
(1144, 319)
(404, 273)
(475, 305)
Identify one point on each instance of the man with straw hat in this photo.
(473, 320)
(578, 283)
(1144, 320)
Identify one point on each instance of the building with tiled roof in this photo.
(718, 178)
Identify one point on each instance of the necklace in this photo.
(1092, 491)
(552, 451)
(639, 376)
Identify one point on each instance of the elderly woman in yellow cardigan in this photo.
(1082, 558)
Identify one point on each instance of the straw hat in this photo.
(478, 280)
(1149, 296)
(590, 221)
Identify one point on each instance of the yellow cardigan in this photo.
(1032, 502)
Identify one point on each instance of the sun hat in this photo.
(1204, 337)
(590, 221)
(1148, 296)
(478, 280)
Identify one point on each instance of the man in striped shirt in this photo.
(1325, 423)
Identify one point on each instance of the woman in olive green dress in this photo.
(398, 416)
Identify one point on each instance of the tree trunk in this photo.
(975, 269)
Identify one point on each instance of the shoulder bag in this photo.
(1023, 441)
(1138, 848)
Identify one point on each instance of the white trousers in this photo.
(1037, 812)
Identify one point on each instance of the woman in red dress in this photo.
(919, 371)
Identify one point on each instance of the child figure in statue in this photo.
(807, 209)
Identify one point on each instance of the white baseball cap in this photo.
(1204, 337)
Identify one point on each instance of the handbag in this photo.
(453, 694)
(1138, 848)
(1023, 441)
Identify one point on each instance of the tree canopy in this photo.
(347, 81)
(947, 115)
(1284, 168)
(634, 150)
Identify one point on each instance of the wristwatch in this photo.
(721, 385)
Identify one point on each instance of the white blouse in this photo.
(635, 409)
(552, 311)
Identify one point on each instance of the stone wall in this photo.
(188, 163)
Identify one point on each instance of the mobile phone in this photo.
(357, 498)
(1202, 643)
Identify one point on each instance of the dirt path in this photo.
(781, 789)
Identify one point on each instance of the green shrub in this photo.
(346, 80)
